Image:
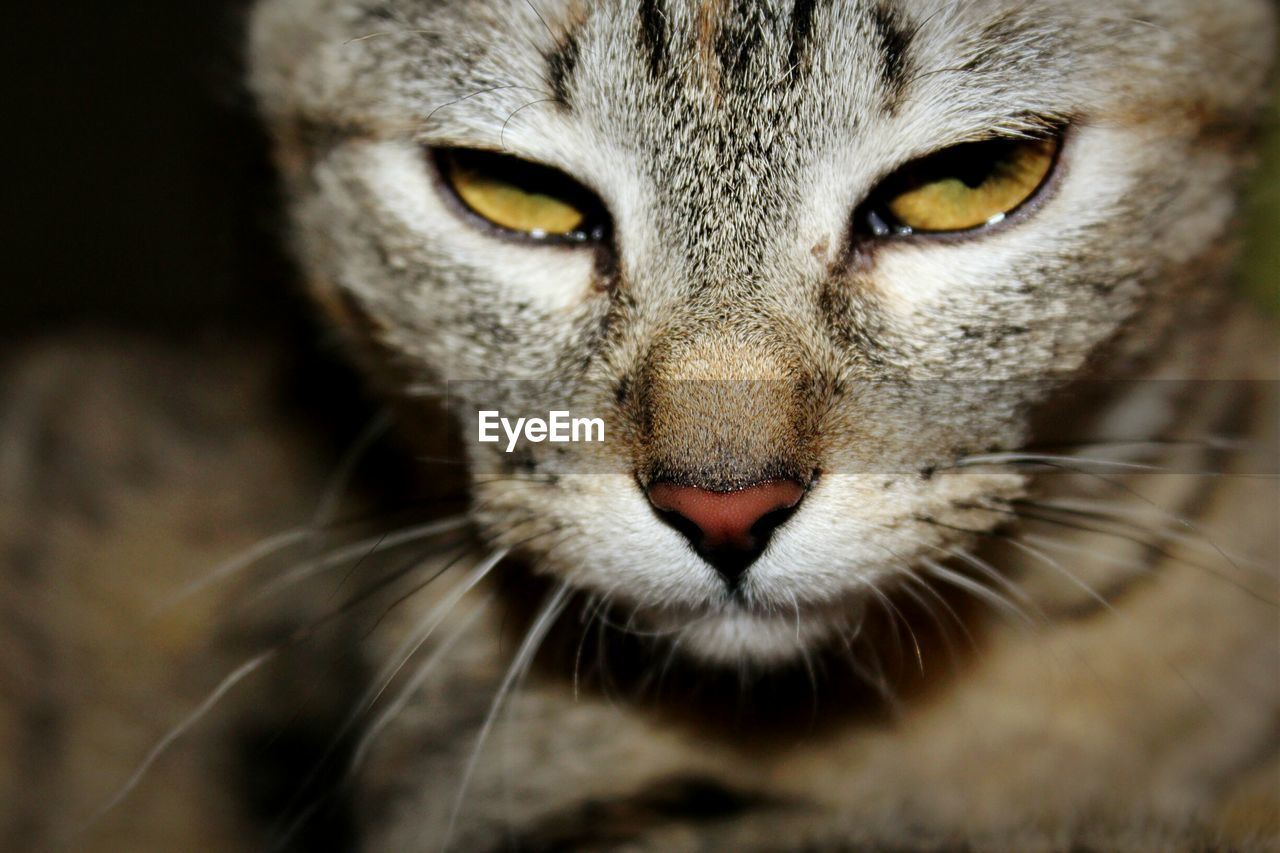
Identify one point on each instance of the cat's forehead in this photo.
(735, 73)
(718, 53)
(581, 82)
(810, 68)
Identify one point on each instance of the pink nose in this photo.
(729, 529)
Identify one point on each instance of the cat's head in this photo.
(802, 257)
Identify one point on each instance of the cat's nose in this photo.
(728, 529)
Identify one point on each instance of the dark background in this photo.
(138, 190)
(139, 193)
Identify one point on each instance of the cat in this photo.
(937, 498)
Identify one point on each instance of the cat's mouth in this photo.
(844, 549)
(737, 627)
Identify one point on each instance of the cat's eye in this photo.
(521, 197)
(962, 188)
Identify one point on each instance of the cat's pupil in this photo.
(973, 165)
(975, 172)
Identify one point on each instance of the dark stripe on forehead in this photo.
(561, 65)
(741, 33)
(893, 38)
(653, 34)
(801, 30)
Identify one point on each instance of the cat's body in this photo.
(941, 645)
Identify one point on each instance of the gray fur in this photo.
(732, 143)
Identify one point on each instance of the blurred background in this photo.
(140, 195)
(139, 192)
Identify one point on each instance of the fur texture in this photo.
(1030, 598)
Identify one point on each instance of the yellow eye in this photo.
(522, 197)
(967, 186)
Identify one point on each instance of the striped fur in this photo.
(974, 633)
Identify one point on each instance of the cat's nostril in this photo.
(728, 529)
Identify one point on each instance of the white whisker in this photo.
(326, 509)
(908, 591)
(968, 584)
(240, 674)
(1136, 516)
(519, 665)
(234, 566)
(331, 498)
(990, 571)
(418, 638)
(358, 551)
(1093, 553)
(420, 676)
(1057, 460)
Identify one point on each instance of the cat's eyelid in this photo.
(565, 190)
(1034, 128)
(875, 223)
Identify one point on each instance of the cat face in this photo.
(802, 258)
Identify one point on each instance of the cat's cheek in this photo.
(606, 539)
(415, 208)
(438, 288)
(998, 303)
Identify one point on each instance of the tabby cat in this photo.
(936, 503)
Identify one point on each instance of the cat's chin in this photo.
(739, 637)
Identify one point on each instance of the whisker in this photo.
(1177, 519)
(357, 551)
(238, 675)
(162, 746)
(1117, 515)
(659, 677)
(985, 593)
(234, 566)
(331, 498)
(502, 134)
(1137, 540)
(359, 753)
(1216, 443)
(1061, 462)
(406, 652)
(1061, 570)
(382, 33)
(990, 571)
(795, 604)
(326, 510)
(420, 676)
(524, 655)
(629, 628)
(589, 608)
(336, 740)
(1092, 553)
(427, 119)
(876, 678)
(908, 591)
(426, 628)
(418, 587)
(1102, 600)
(895, 619)
(946, 606)
(541, 19)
